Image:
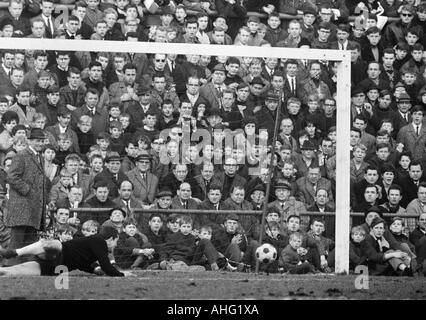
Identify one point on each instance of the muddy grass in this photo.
(160, 285)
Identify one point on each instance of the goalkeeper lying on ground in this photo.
(75, 254)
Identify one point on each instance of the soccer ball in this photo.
(266, 253)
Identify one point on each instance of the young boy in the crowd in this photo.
(167, 118)
(273, 236)
(103, 140)
(96, 164)
(49, 153)
(127, 128)
(88, 228)
(64, 148)
(149, 128)
(172, 224)
(117, 140)
(132, 248)
(355, 256)
(293, 258)
(131, 152)
(183, 246)
(84, 134)
(397, 228)
(156, 235)
(60, 190)
(65, 233)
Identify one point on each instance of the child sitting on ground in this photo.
(133, 248)
(182, 248)
(274, 237)
(293, 257)
(206, 233)
(396, 228)
(355, 257)
(172, 225)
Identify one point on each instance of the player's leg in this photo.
(36, 248)
(30, 268)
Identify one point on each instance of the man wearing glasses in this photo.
(397, 31)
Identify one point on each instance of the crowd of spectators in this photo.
(169, 131)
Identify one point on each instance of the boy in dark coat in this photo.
(184, 246)
(293, 258)
(133, 247)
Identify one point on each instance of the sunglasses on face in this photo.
(406, 14)
(160, 60)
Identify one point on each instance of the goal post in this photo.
(342, 101)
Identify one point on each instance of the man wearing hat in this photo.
(257, 196)
(29, 189)
(212, 90)
(163, 199)
(284, 203)
(145, 183)
(112, 173)
(138, 109)
(267, 115)
(307, 159)
(403, 115)
(357, 103)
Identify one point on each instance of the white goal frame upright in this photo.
(343, 100)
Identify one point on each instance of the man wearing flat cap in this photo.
(266, 116)
(112, 173)
(285, 204)
(138, 109)
(145, 183)
(29, 189)
(212, 90)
